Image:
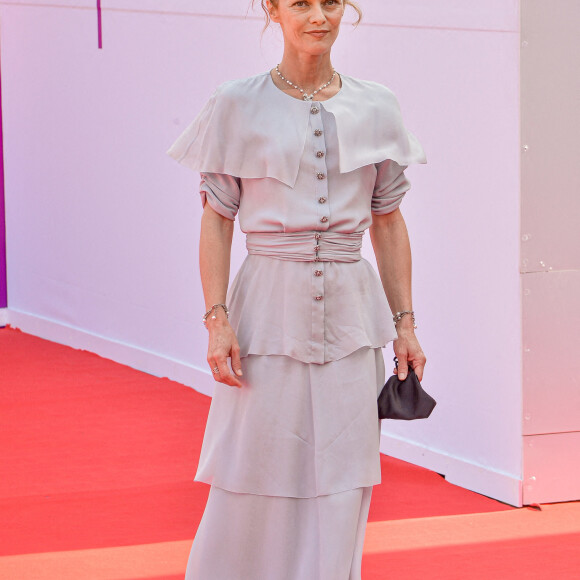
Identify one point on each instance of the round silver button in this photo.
(315, 110)
(317, 236)
(319, 297)
(321, 200)
(318, 133)
(320, 154)
(318, 272)
(320, 175)
(323, 219)
(316, 248)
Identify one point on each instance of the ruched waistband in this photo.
(307, 246)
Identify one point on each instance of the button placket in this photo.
(321, 176)
(320, 193)
(317, 237)
(318, 306)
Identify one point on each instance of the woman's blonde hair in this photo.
(350, 3)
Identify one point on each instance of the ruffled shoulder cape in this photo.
(251, 129)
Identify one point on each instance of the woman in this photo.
(308, 159)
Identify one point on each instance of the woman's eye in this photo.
(302, 3)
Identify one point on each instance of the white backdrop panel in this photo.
(103, 226)
(463, 217)
(501, 15)
(551, 472)
(550, 128)
(551, 369)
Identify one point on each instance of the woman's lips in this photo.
(318, 33)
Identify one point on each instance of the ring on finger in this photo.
(215, 371)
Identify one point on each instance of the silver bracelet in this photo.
(205, 316)
(399, 316)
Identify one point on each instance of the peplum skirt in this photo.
(291, 458)
(293, 455)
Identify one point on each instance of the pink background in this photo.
(3, 294)
(102, 225)
(550, 250)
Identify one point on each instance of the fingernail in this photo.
(239, 372)
(401, 377)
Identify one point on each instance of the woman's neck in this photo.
(307, 71)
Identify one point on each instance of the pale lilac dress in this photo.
(292, 456)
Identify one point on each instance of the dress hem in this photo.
(268, 351)
(231, 489)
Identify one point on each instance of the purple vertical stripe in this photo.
(3, 289)
(99, 24)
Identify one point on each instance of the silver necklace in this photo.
(305, 95)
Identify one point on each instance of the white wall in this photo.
(102, 226)
(550, 260)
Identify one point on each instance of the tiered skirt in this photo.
(291, 458)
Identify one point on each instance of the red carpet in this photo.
(97, 466)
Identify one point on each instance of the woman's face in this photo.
(309, 26)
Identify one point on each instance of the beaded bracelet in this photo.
(204, 317)
(399, 316)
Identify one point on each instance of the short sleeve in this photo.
(222, 192)
(390, 187)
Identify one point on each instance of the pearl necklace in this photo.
(305, 95)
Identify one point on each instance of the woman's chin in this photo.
(318, 49)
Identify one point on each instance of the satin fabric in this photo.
(296, 429)
(306, 246)
(256, 537)
(293, 455)
(327, 316)
(273, 308)
(368, 117)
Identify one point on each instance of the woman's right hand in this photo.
(222, 344)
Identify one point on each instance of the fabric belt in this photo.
(307, 246)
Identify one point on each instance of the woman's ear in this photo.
(273, 11)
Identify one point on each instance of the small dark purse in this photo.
(404, 399)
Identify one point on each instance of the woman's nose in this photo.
(317, 14)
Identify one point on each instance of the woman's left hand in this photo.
(409, 352)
